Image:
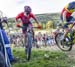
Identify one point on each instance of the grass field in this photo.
(42, 58)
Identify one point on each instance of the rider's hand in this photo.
(18, 25)
(39, 26)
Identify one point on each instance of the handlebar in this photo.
(20, 26)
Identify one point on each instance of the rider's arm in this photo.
(64, 15)
(36, 21)
(18, 16)
(33, 16)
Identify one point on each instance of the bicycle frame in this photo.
(71, 27)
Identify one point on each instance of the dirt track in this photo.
(71, 53)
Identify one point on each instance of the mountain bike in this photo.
(4, 60)
(28, 40)
(66, 43)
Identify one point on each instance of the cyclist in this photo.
(68, 15)
(25, 17)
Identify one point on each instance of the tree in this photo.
(49, 24)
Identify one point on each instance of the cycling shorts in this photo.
(24, 29)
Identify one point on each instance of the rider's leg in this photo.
(69, 21)
(66, 29)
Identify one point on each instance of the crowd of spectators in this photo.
(17, 40)
(44, 39)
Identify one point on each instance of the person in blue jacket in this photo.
(6, 40)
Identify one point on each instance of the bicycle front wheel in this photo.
(63, 44)
(28, 46)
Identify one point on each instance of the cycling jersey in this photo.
(68, 14)
(69, 8)
(24, 18)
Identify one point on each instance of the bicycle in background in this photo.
(66, 43)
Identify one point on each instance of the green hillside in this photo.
(43, 18)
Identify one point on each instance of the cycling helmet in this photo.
(27, 9)
(71, 5)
